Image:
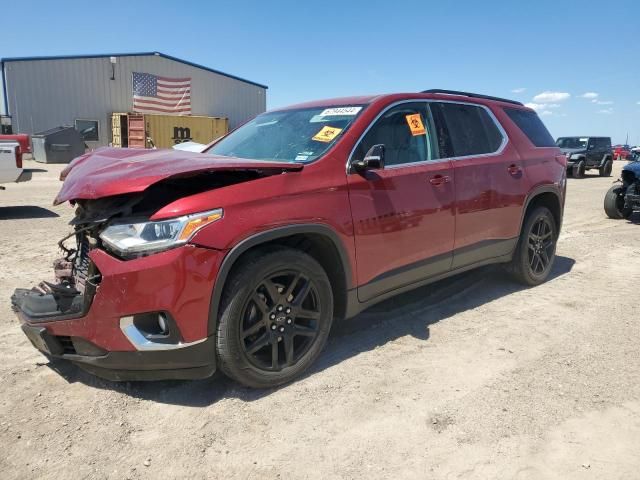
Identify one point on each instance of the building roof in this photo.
(139, 54)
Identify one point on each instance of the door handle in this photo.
(439, 180)
(514, 169)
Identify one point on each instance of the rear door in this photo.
(593, 153)
(402, 214)
(490, 182)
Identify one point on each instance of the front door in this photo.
(402, 214)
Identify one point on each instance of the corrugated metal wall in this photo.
(47, 93)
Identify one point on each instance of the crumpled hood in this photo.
(114, 171)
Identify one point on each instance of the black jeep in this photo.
(624, 198)
(585, 153)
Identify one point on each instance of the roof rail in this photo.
(472, 95)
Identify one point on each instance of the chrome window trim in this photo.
(503, 133)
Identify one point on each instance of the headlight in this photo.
(148, 237)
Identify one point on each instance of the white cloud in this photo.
(541, 106)
(598, 102)
(606, 111)
(551, 97)
(518, 90)
(544, 113)
(590, 95)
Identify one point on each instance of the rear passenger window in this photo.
(531, 126)
(471, 130)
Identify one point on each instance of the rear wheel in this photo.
(614, 203)
(605, 170)
(579, 169)
(536, 250)
(276, 315)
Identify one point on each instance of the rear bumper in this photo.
(178, 283)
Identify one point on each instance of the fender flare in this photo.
(606, 156)
(537, 191)
(263, 237)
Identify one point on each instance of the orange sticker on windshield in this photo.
(415, 124)
(326, 134)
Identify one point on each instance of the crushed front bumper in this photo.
(101, 337)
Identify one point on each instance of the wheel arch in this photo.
(546, 196)
(317, 240)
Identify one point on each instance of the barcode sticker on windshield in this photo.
(328, 112)
(326, 134)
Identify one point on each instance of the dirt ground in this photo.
(473, 378)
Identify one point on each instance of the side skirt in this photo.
(385, 291)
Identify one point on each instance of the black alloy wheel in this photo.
(280, 320)
(275, 316)
(541, 245)
(535, 253)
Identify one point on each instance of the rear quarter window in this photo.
(531, 126)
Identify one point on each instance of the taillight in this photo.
(18, 157)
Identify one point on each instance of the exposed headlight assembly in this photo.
(132, 239)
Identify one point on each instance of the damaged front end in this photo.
(76, 280)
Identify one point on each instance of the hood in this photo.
(633, 167)
(115, 171)
(573, 150)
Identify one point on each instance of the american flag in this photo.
(153, 94)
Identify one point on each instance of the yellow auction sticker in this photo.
(327, 133)
(415, 124)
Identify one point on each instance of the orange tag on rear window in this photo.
(415, 124)
(326, 134)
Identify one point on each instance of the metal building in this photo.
(40, 93)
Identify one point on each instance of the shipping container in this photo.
(119, 130)
(136, 130)
(165, 131)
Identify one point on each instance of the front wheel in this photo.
(536, 250)
(276, 315)
(614, 203)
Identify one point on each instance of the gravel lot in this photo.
(475, 377)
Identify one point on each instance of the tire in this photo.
(605, 170)
(579, 169)
(276, 313)
(534, 256)
(614, 203)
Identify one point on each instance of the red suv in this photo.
(241, 257)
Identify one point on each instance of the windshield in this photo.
(299, 135)
(572, 142)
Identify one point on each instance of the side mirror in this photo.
(373, 160)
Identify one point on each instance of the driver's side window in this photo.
(405, 132)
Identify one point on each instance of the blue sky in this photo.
(308, 50)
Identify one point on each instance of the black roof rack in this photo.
(472, 95)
